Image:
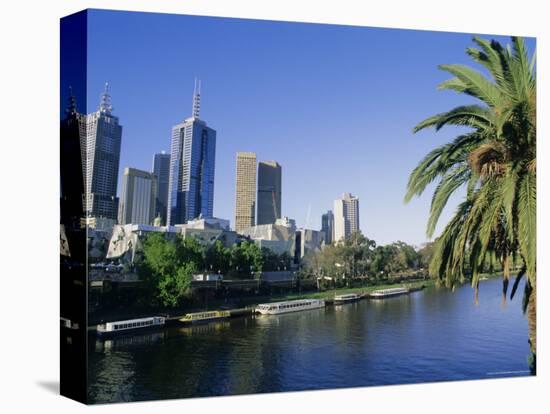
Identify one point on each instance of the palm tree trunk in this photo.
(532, 323)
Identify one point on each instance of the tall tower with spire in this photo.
(72, 182)
(100, 145)
(192, 167)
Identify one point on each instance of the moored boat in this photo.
(384, 293)
(205, 317)
(131, 325)
(347, 298)
(276, 308)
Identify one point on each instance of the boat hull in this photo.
(205, 321)
(280, 312)
(344, 301)
(387, 295)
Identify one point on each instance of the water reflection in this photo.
(124, 341)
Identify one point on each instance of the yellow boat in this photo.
(205, 317)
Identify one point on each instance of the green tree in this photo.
(495, 160)
(174, 287)
(253, 256)
(425, 254)
(246, 257)
(167, 267)
(218, 258)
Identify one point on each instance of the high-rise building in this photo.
(346, 217)
(161, 169)
(269, 192)
(100, 137)
(327, 226)
(192, 163)
(72, 181)
(245, 191)
(139, 193)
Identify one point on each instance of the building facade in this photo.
(327, 226)
(269, 192)
(192, 168)
(101, 136)
(346, 217)
(139, 194)
(245, 191)
(161, 169)
(279, 237)
(308, 241)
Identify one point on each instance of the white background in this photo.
(29, 238)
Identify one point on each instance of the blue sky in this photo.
(334, 105)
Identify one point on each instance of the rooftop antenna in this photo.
(196, 99)
(105, 104)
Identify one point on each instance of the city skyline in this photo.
(345, 116)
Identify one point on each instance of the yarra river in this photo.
(430, 335)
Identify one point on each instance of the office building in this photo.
(346, 217)
(139, 193)
(327, 226)
(192, 167)
(245, 191)
(269, 192)
(100, 137)
(161, 169)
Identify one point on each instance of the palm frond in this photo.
(475, 84)
(527, 223)
(474, 116)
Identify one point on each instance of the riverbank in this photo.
(252, 301)
(329, 294)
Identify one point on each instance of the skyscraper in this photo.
(72, 181)
(139, 192)
(245, 191)
(192, 163)
(327, 226)
(161, 169)
(346, 216)
(100, 137)
(269, 192)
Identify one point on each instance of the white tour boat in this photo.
(384, 293)
(119, 327)
(276, 308)
(348, 297)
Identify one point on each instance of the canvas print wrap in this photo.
(254, 206)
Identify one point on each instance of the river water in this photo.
(431, 335)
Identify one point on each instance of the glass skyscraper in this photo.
(327, 226)
(161, 169)
(101, 136)
(269, 192)
(192, 167)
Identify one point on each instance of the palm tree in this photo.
(495, 160)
